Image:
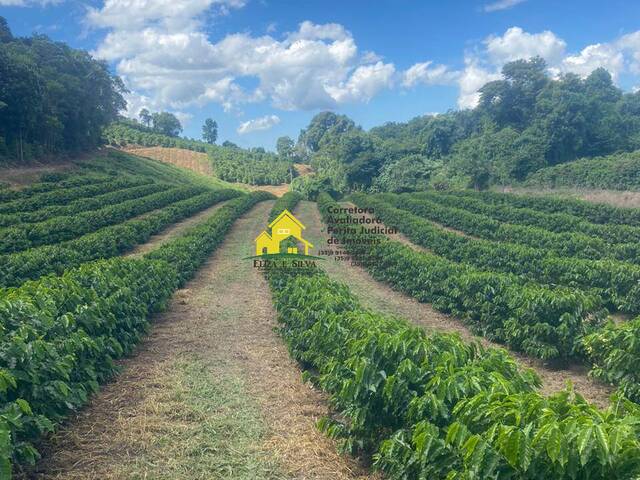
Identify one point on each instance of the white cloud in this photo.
(137, 102)
(134, 14)
(184, 117)
(501, 5)
(426, 74)
(28, 3)
(261, 123)
(328, 31)
(471, 79)
(516, 44)
(630, 45)
(595, 56)
(161, 52)
(272, 27)
(364, 83)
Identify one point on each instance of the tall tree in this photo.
(145, 117)
(210, 131)
(5, 31)
(285, 148)
(166, 123)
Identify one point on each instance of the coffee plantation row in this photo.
(94, 213)
(539, 320)
(617, 283)
(554, 222)
(566, 244)
(609, 348)
(81, 205)
(59, 229)
(48, 182)
(62, 194)
(434, 406)
(230, 162)
(103, 243)
(589, 211)
(61, 334)
(420, 405)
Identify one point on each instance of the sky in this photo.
(263, 68)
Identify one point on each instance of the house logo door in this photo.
(284, 236)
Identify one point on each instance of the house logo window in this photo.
(284, 236)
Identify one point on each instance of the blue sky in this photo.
(263, 68)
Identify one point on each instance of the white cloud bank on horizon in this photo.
(163, 54)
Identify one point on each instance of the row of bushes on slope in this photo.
(189, 251)
(554, 222)
(104, 243)
(566, 244)
(286, 202)
(620, 171)
(592, 212)
(63, 195)
(537, 320)
(433, 406)
(61, 334)
(50, 182)
(617, 283)
(119, 163)
(60, 229)
(255, 168)
(80, 205)
(613, 350)
(119, 134)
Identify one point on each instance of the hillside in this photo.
(201, 163)
(196, 161)
(228, 162)
(620, 171)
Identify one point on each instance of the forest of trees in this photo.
(53, 99)
(524, 122)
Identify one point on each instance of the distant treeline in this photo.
(53, 99)
(230, 162)
(524, 122)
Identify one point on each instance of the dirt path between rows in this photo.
(381, 297)
(173, 231)
(141, 426)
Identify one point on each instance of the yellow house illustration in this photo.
(284, 227)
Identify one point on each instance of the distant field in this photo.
(616, 198)
(200, 163)
(197, 161)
